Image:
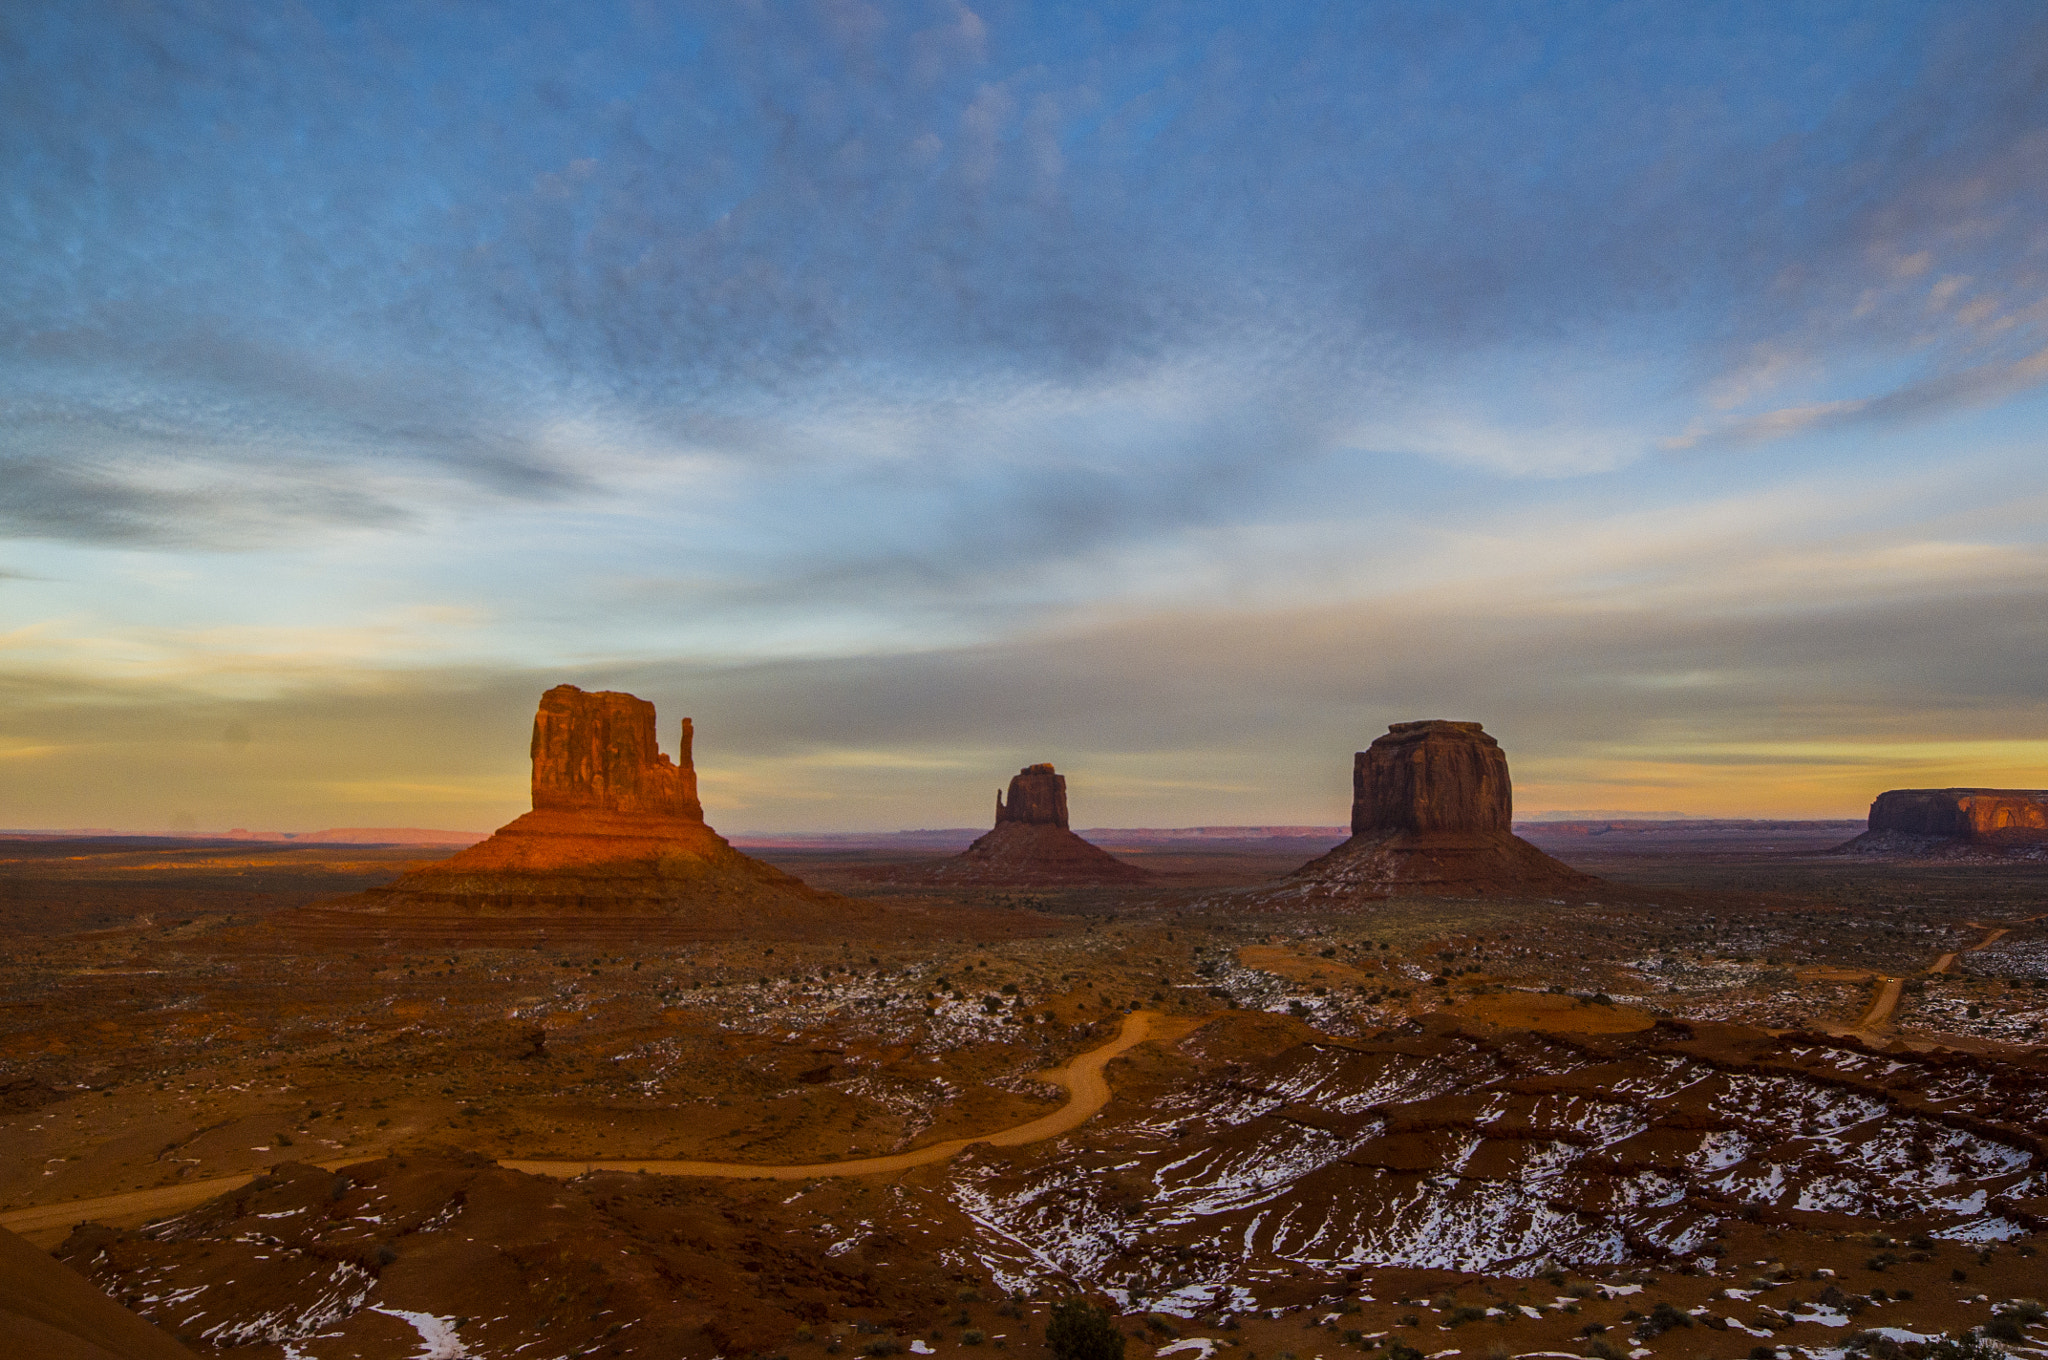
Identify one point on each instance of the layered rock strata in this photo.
(1949, 823)
(1031, 844)
(616, 832)
(1431, 805)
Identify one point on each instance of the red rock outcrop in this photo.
(616, 834)
(1431, 804)
(1031, 844)
(1945, 823)
(1038, 797)
(597, 753)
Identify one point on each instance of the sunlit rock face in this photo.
(616, 832)
(1956, 823)
(597, 752)
(1031, 844)
(1431, 804)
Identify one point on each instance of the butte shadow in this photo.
(1431, 806)
(615, 847)
(1031, 845)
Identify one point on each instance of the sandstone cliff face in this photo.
(1431, 806)
(597, 752)
(1038, 797)
(1431, 777)
(1963, 814)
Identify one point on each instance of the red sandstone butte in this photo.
(1031, 844)
(1431, 804)
(616, 831)
(1945, 823)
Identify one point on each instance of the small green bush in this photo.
(1081, 1331)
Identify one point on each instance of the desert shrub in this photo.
(2024, 1310)
(1662, 1318)
(1081, 1331)
(1964, 1346)
(1398, 1351)
(971, 1338)
(882, 1347)
(1763, 1353)
(1600, 1350)
(1462, 1315)
(1579, 1289)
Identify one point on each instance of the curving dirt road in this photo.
(1877, 1020)
(1087, 1092)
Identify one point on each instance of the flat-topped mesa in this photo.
(1038, 797)
(1963, 814)
(1428, 777)
(1031, 844)
(1431, 808)
(597, 752)
(1956, 822)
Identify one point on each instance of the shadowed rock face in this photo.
(1431, 805)
(597, 752)
(1038, 797)
(1431, 777)
(1031, 844)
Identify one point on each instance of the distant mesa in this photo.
(1031, 844)
(1956, 824)
(1431, 809)
(616, 835)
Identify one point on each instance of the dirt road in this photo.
(1877, 1020)
(1087, 1092)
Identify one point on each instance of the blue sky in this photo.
(910, 391)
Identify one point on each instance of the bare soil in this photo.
(1481, 1126)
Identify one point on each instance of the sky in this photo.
(1180, 393)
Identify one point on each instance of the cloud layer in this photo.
(1625, 363)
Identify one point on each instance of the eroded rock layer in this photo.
(1969, 823)
(1431, 804)
(616, 834)
(1031, 844)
